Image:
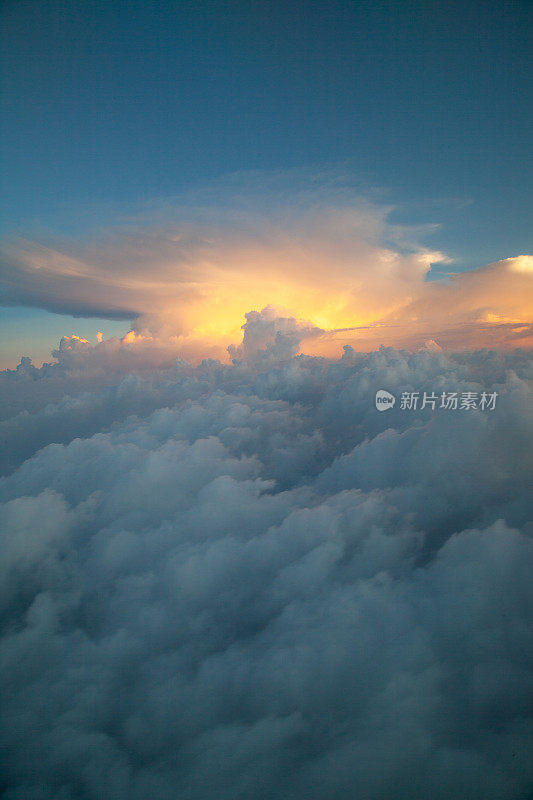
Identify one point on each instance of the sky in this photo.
(229, 231)
(110, 109)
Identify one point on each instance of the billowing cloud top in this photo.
(243, 580)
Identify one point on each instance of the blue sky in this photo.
(113, 103)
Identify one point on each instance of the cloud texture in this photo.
(236, 581)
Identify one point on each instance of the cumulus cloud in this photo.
(267, 335)
(241, 580)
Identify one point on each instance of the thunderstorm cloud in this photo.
(187, 274)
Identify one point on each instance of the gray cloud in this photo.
(242, 580)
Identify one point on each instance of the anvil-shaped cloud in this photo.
(189, 276)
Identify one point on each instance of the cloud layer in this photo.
(242, 580)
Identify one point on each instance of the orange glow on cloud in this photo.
(188, 287)
(492, 306)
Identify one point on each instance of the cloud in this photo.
(326, 255)
(241, 580)
(270, 336)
